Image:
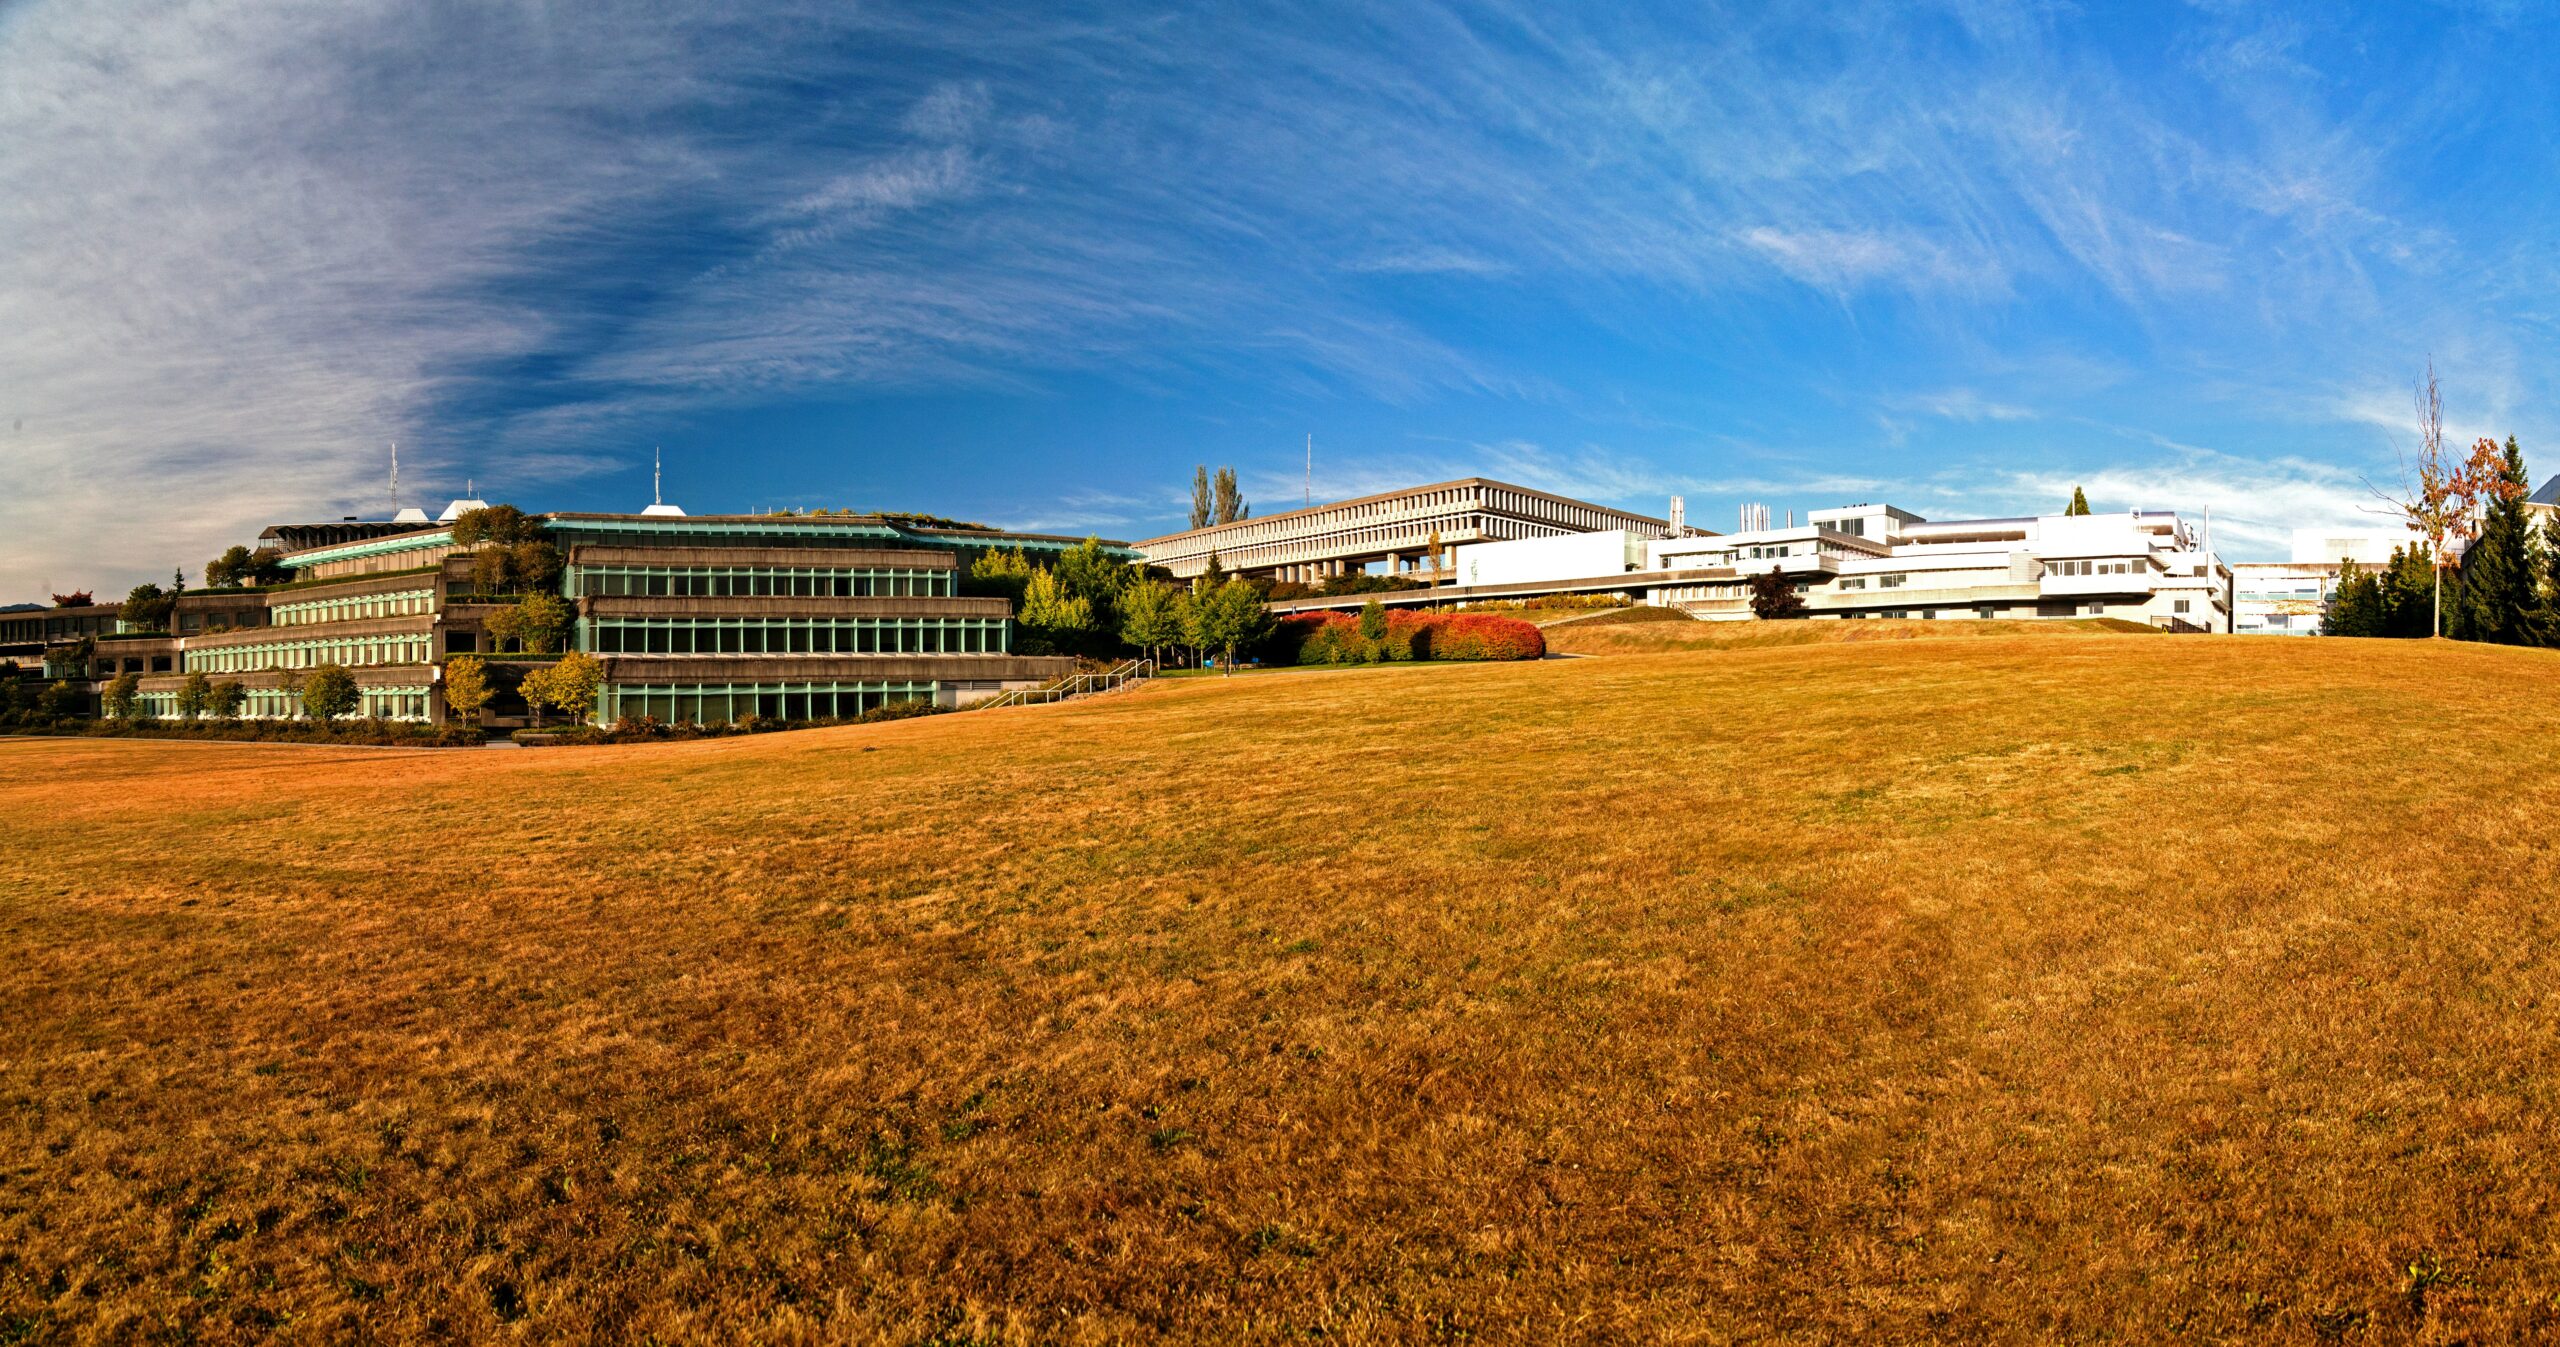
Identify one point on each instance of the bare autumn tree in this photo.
(2439, 495)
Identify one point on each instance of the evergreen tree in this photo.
(2542, 620)
(1373, 621)
(2409, 593)
(2356, 606)
(2079, 503)
(1200, 504)
(223, 702)
(1212, 578)
(2495, 589)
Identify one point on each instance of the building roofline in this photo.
(1403, 491)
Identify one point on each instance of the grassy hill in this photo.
(2111, 987)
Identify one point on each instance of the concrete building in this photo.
(1389, 533)
(2291, 598)
(2363, 546)
(2281, 598)
(704, 618)
(1867, 561)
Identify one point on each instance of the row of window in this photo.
(715, 703)
(1894, 580)
(800, 636)
(276, 704)
(351, 651)
(778, 581)
(407, 603)
(2092, 568)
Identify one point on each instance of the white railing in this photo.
(1075, 685)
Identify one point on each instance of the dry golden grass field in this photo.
(2052, 988)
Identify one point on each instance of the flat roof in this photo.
(1407, 491)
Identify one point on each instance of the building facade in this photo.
(1865, 561)
(1392, 532)
(2282, 598)
(704, 618)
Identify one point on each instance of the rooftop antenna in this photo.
(1311, 468)
(657, 465)
(395, 478)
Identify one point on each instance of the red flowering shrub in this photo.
(1334, 638)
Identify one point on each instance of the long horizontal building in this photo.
(1392, 531)
(1864, 561)
(693, 618)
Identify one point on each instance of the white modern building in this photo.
(1860, 561)
(2291, 598)
(2145, 566)
(2281, 598)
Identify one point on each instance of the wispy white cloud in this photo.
(243, 247)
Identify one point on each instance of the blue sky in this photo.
(1028, 264)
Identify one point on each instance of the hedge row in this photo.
(1334, 638)
(650, 729)
(359, 733)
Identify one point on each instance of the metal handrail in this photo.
(1074, 685)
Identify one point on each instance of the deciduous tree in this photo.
(328, 692)
(124, 697)
(224, 701)
(1231, 504)
(1228, 618)
(1150, 616)
(570, 684)
(1052, 614)
(1003, 575)
(194, 694)
(1774, 596)
(466, 688)
(146, 608)
(2440, 495)
(1097, 577)
(538, 623)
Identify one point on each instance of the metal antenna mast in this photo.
(657, 465)
(395, 478)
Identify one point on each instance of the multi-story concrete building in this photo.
(2281, 598)
(1868, 561)
(1391, 532)
(2291, 598)
(702, 618)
